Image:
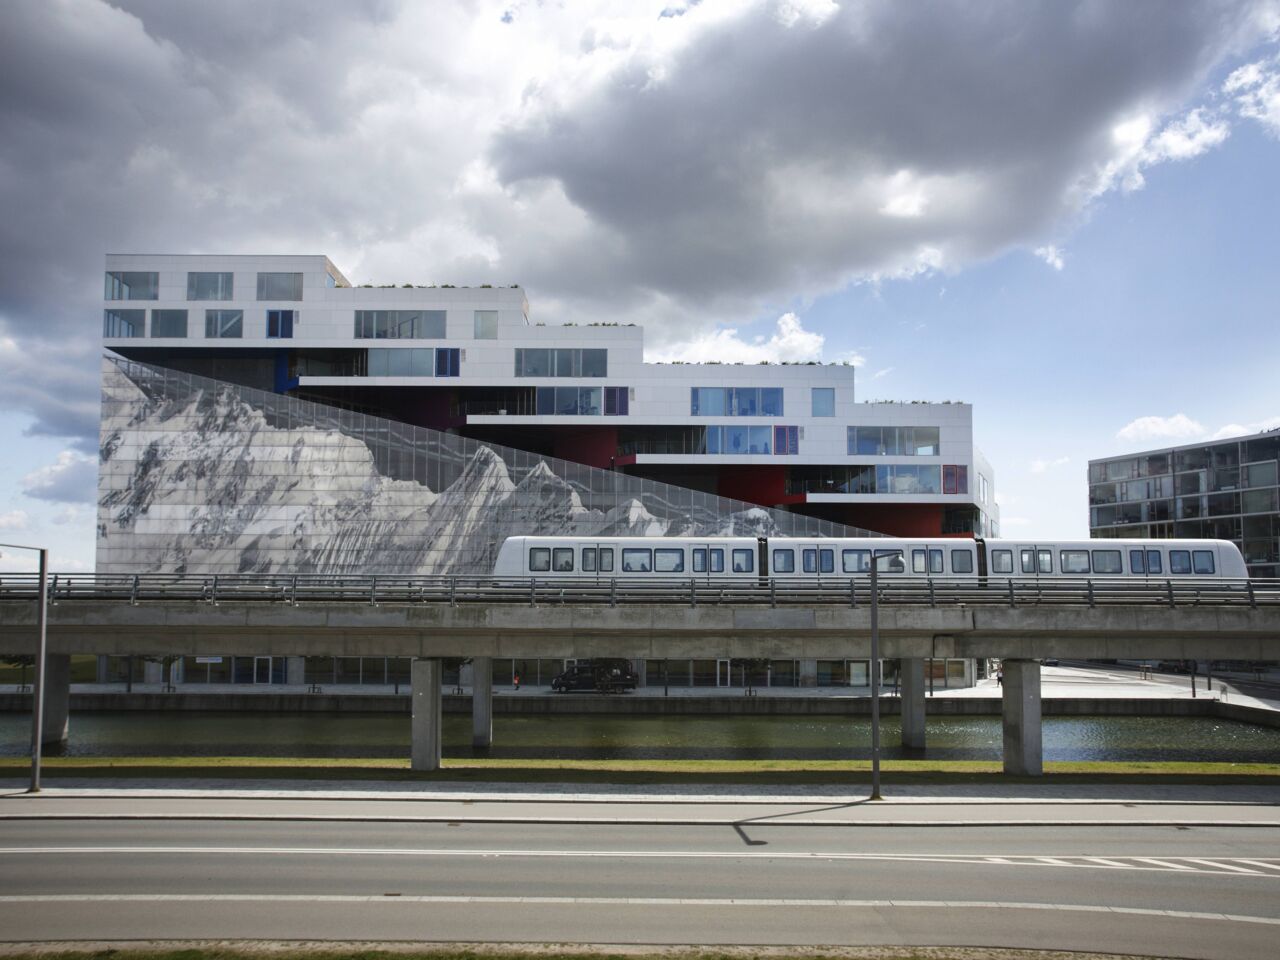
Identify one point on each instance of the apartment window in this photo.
(486, 324)
(411, 362)
(279, 286)
(126, 285)
(735, 402)
(538, 362)
(123, 323)
(209, 286)
(824, 401)
(568, 401)
(400, 324)
(224, 324)
(733, 440)
(955, 479)
(168, 323)
(786, 441)
(616, 401)
(448, 362)
(279, 324)
(894, 441)
(908, 479)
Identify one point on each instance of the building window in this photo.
(448, 362)
(279, 324)
(616, 401)
(735, 401)
(893, 441)
(824, 401)
(733, 440)
(224, 324)
(486, 324)
(400, 324)
(123, 323)
(568, 401)
(168, 323)
(955, 479)
(786, 441)
(279, 286)
(125, 285)
(538, 362)
(209, 286)
(414, 362)
(908, 479)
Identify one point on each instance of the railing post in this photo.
(453, 591)
(1089, 585)
(1013, 602)
(53, 592)
(213, 591)
(133, 594)
(293, 592)
(613, 591)
(853, 594)
(533, 591)
(373, 591)
(773, 592)
(932, 600)
(1168, 584)
(1253, 601)
(693, 592)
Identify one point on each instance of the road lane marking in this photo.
(754, 902)
(1221, 866)
(1259, 863)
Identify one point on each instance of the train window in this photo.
(1203, 562)
(744, 561)
(1153, 561)
(962, 561)
(1179, 561)
(917, 561)
(855, 561)
(699, 559)
(935, 561)
(667, 560)
(588, 559)
(1002, 561)
(1107, 561)
(1137, 566)
(717, 560)
(891, 562)
(810, 560)
(636, 560)
(539, 559)
(604, 559)
(1028, 561)
(1044, 560)
(1075, 561)
(826, 561)
(784, 561)
(562, 559)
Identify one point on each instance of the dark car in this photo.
(600, 676)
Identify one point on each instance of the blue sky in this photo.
(1062, 214)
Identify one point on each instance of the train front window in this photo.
(539, 559)
(604, 558)
(1179, 561)
(1044, 558)
(1136, 565)
(668, 560)
(855, 561)
(588, 559)
(743, 561)
(1153, 561)
(562, 559)
(635, 560)
(826, 561)
(961, 561)
(1002, 561)
(784, 561)
(1203, 562)
(717, 560)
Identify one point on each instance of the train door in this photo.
(817, 560)
(1024, 563)
(706, 560)
(926, 561)
(598, 560)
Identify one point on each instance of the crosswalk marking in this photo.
(1222, 865)
(1169, 865)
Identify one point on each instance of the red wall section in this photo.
(593, 446)
(896, 519)
(764, 484)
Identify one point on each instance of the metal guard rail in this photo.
(681, 591)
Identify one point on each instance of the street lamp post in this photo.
(37, 696)
(875, 671)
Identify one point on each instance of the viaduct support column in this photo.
(425, 676)
(481, 702)
(1023, 744)
(912, 680)
(57, 698)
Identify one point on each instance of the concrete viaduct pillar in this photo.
(425, 676)
(482, 702)
(912, 685)
(1023, 741)
(57, 698)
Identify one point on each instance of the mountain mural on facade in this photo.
(199, 476)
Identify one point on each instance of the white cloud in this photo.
(15, 520)
(1043, 466)
(1244, 429)
(790, 343)
(1051, 255)
(72, 478)
(882, 373)
(1255, 89)
(1176, 428)
(68, 514)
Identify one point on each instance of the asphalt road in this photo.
(1185, 880)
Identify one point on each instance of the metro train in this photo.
(726, 558)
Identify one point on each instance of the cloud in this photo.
(682, 171)
(1244, 429)
(1044, 466)
(1255, 91)
(1050, 255)
(15, 520)
(1176, 428)
(790, 343)
(68, 514)
(882, 373)
(72, 478)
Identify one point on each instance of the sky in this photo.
(1064, 214)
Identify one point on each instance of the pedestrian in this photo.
(516, 678)
(1000, 677)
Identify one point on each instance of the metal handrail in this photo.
(295, 589)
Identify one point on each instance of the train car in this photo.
(783, 558)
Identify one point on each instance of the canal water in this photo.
(252, 734)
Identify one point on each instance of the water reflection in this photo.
(604, 737)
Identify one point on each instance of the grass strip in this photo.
(762, 772)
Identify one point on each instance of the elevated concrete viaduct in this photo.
(428, 632)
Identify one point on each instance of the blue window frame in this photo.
(280, 324)
(447, 361)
